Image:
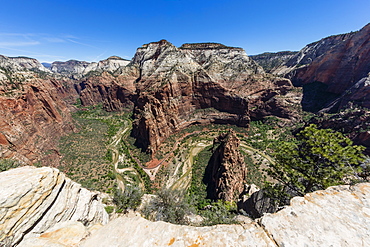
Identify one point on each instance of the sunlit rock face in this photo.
(338, 216)
(333, 71)
(78, 69)
(226, 172)
(176, 82)
(34, 113)
(32, 200)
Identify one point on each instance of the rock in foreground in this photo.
(338, 216)
(32, 200)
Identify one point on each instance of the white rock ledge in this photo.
(32, 200)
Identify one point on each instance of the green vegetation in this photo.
(169, 206)
(130, 198)
(318, 159)
(109, 209)
(6, 164)
(86, 157)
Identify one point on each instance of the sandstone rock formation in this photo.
(21, 63)
(333, 71)
(309, 53)
(32, 200)
(41, 207)
(338, 216)
(77, 69)
(33, 114)
(136, 231)
(226, 171)
(273, 60)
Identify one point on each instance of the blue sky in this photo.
(93, 30)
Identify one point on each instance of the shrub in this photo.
(6, 164)
(128, 199)
(169, 206)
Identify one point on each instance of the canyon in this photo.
(161, 112)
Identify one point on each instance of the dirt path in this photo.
(117, 158)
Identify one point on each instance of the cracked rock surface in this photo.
(33, 200)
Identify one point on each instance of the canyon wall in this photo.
(34, 112)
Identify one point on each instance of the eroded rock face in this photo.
(167, 86)
(334, 71)
(176, 82)
(310, 53)
(20, 63)
(136, 231)
(32, 200)
(273, 60)
(77, 69)
(33, 115)
(226, 171)
(337, 216)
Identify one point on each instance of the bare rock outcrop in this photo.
(226, 171)
(78, 69)
(34, 115)
(273, 60)
(32, 200)
(21, 63)
(333, 71)
(174, 83)
(337, 216)
(136, 231)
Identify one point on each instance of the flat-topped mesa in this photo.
(161, 42)
(205, 46)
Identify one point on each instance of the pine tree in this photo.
(318, 159)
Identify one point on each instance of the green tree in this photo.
(318, 159)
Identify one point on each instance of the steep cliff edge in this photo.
(33, 114)
(41, 207)
(176, 82)
(32, 200)
(226, 172)
(333, 71)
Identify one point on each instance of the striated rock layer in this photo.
(32, 200)
(333, 71)
(226, 171)
(167, 86)
(34, 115)
(78, 69)
(41, 207)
